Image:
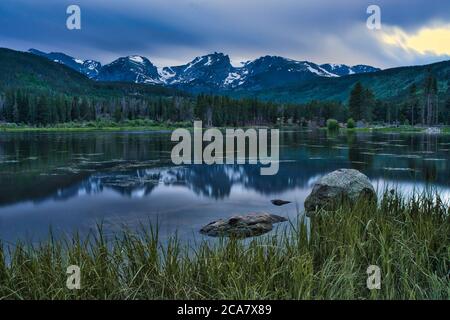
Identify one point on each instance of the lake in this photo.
(72, 181)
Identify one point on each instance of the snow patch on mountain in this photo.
(137, 59)
(209, 62)
(320, 71)
(344, 70)
(232, 77)
(165, 74)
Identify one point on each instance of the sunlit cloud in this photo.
(425, 41)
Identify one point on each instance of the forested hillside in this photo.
(387, 84)
(36, 91)
(31, 72)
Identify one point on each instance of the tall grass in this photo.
(407, 238)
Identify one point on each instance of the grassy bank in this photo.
(407, 239)
(150, 125)
(128, 125)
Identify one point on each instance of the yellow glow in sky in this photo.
(434, 40)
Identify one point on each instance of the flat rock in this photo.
(343, 185)
(279, 202)
(242, 226)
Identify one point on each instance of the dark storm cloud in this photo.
(174, 31)
(414, 13)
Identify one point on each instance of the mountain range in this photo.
(210, 73)
(268, 78)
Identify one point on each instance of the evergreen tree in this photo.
(429, 108)
(75, 110)
(356, 102)
(42, 111)
(413, 103)
(15, 113)
(118, 115)
(84, 110)
(361, 103)
(368, 105)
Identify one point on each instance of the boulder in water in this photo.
(242, 226)
(344, 185)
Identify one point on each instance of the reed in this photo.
(324, 258)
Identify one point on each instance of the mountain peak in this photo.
(133, 68)
(90, 68)
(35, 51)
(133, 59)
(211, 59)
(344, 70)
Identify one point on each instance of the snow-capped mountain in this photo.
(270, 71)
(135, 69)
(90, 68)
(210, 70)
(215, 71)
(344, 70)
(209, 73)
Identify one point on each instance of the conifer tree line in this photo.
(22, 107)
(425, 104)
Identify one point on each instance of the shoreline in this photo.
(82, 127)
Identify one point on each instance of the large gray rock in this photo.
(344, 185)
(242, 226)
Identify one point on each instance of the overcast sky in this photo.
(173, 32)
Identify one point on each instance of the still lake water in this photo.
(72, 181)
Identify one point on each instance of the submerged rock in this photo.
(279, 203)
(344, 185)
(242, 226)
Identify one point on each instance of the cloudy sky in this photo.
(172, 32)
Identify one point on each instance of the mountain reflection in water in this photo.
(72, 181)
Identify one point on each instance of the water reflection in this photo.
(129, 176)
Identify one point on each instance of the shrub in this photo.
(332, 124)
(351, 123)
